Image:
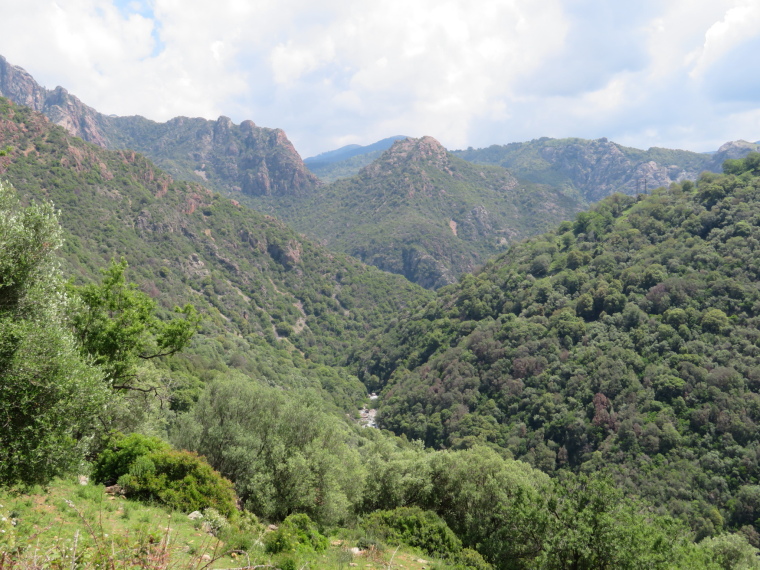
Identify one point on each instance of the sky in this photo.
(670, 73)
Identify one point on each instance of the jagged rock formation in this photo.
(230, 158)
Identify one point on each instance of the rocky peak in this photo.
(20, 87)
(247, 158)
(732, 150)
(425, 151)
(57, 105)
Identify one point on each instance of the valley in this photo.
(538, 355)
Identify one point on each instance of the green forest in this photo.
(587, 399)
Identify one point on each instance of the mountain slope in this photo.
(347, 160)
(598, 168)
(227, 157)
(625, 341)
(425, 214)
(261, 287)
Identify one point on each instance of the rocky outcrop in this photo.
(230, 158)
(600, 168)
(57, 105)
(410, 151)
(597, 168)
(732, 150)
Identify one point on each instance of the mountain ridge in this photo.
(241, 158)
(419, 211)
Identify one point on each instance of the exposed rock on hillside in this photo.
(422, 212)
(598, 168)
(232, 158)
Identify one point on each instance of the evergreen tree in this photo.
(49, 393)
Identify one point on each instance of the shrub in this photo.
(415, 527)
(148, 469)
(120, 453)
(296, 532)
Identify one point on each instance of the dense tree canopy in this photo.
(625, 341)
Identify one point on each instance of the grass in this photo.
(68, 526)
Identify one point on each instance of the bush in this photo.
(297, 532)
(120, 453)
(148, 469)
(415, 527)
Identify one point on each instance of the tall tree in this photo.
(49, 393)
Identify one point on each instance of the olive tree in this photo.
(49, 393)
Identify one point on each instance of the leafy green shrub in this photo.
(469, 559)
(296, 532)
(120, 453)
(215, 521)
(415, 527)
(148, 469)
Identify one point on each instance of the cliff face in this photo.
(230, 158)
(58, 105)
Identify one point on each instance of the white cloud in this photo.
(646, 73)
(740, 23)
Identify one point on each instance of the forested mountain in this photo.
(625, 341)
(260, 286)
(421, 212)
(250, 394)
(589, 399)
(232, 158)
(594, 169)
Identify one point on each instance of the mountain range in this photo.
(617, 343)
(419, 211)
(408, 208)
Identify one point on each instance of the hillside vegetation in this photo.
(593, 169)
(273, 305)
(625, 342)
(423, 213)
(588, 400)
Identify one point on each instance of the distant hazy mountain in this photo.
(422, 212)
(227, 157)
(348, 160)
(351, 150)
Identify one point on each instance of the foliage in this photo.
(282, 450)
(296, 532)
(149, 470)
(120, 452)
(49, 395)
(116, 325)
(631, 350)
(593, 525)
(415, 527)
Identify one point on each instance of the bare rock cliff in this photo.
(230, 158)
